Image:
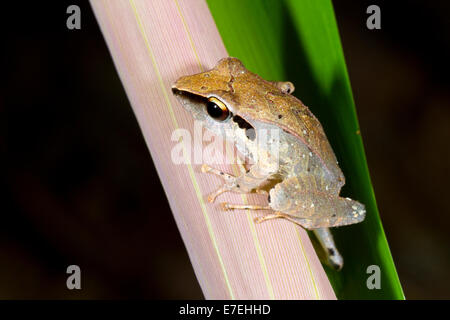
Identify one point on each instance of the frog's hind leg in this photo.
(278, 215)
(333, 257)
(230, 206)
(323, 235)
(312, 206)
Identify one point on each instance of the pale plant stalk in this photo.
(152, 44)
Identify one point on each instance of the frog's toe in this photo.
(336, 261)
(208, 169)
(205, 168)
(212, 197)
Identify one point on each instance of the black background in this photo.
(79, 186)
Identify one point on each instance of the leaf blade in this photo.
(301, 44)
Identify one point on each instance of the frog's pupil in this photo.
(214, 110)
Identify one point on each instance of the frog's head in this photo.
(213, 98)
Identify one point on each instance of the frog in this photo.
(300, 177)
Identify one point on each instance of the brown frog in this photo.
(298, 170)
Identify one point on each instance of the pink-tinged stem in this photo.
(152, 44)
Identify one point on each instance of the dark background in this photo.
(79, 187)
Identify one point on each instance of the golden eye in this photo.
(217, 109)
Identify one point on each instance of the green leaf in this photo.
(298, 40)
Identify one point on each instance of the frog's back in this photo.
(273, 106)
(256, 98)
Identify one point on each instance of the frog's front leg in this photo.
(247, 182)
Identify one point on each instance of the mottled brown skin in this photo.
(260, 99)
(307, 177)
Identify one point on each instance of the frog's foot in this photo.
(227, 177)
(275, 215)
(231, 183)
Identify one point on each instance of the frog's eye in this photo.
(217, 109)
